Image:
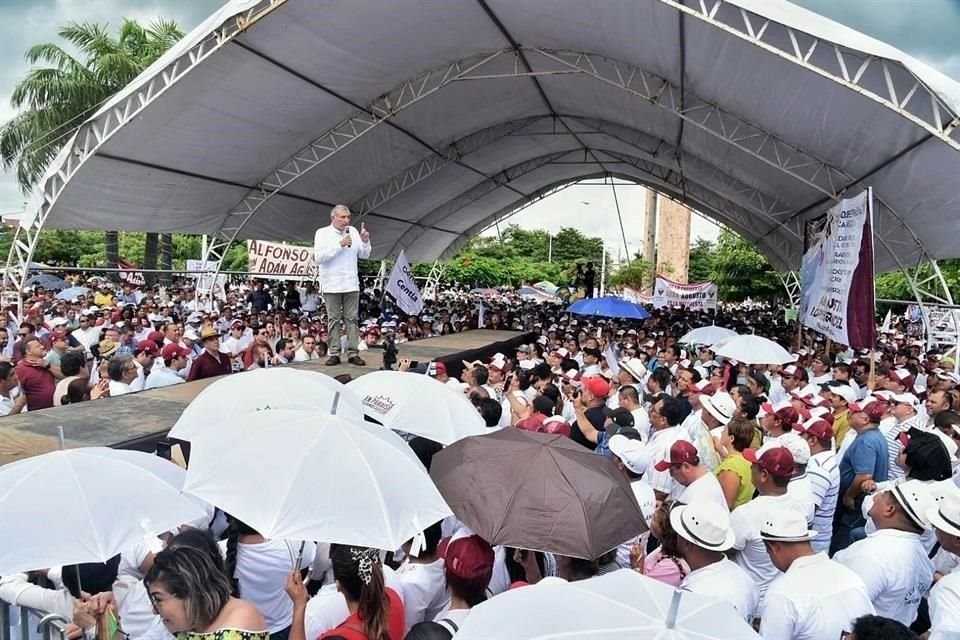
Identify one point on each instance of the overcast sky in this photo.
(926, 29)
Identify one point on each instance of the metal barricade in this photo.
(50, 626)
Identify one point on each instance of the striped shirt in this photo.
(894, 446)
(823, 470)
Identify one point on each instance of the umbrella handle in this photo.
(674, 609)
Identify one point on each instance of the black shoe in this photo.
(333, 361)
(357, 361)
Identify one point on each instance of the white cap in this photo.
(785, 525)
(632, 453)
(906, 398)
(797, 445)
(705, 524)
(845, 391)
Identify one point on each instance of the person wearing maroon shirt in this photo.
(36, 380)
(210, 362)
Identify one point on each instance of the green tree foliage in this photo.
(740, 271)
(702, 255)
(894, 285)
(638, 275)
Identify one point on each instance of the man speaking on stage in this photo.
(335, 250)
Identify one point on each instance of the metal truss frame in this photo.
(791, 283)
(433, 280)
(870, 76)
(95, 132)
(886, 82)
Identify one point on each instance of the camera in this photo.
(389, 353)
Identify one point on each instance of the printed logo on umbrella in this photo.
(381, 404)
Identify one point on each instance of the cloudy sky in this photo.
(926, 29)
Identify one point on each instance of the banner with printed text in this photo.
(279, 261)
(203, 274)
(696, 296)
(131, 274)
(836, 277)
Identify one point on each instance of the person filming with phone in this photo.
(336, 249)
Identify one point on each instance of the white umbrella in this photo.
(302, 476)
(622, 604)
(753, 350)
(707, 335)
(417, 404)
(278, 388)
(85, 505)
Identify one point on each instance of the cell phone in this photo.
(507, 381)
(414, 364)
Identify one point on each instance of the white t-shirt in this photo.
(658, 447)
(816, 598)
(641, 422)
(328, 608)
(895, 567)
(119, 389)
(706, 488)
(424, 590)
(944, 604)
(752, 555)
(648, 505)
(726, 581)
(262, 570)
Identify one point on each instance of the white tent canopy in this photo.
(431, 118)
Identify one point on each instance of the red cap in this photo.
(597, 385)
(681, 451)
(776, 460)
(58, 335)
(820, 429)
(147, 346)
(556, 425)
(469, 558)
(437, 369)
(155, 336)
(875, 410)
(172, 351)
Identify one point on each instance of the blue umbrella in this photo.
(48, 281)
(608, 307)
(72, 292)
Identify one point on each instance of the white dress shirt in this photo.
(895, 567)
(338, 265)
(726, 581)
(302, 356)
(425, 593)
(161, 376)
(816, 598)
(706, 488)
(752, 555)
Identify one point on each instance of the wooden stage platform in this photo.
(140, 416)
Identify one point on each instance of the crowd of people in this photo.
(817, 497)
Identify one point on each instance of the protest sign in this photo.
(696, 296)
(279, 261)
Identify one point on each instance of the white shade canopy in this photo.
(448, 114)
(86, 505)
(417, 404)
(219, 404)
(296, 475)
(707, 335)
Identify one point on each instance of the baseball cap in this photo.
(720, 405)
(147, 346)
(597, 385)
(680, 451)
(621, 417)
(906, 398)
(562, 352)
(816, 427)
(774, 458)
(524, 348)
(704, 387)
(155, 336)
(946, 515)
(875, 410)
(468, 558)
(797, 445)
(170, 351)
(632, 453)
(571, 376)
(705, 524)
(436, 369)
(785, 525)
(789, 371)
(768, 408)
(903, 376)
(845, 391)
(915, 498)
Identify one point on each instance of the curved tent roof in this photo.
(433, 117)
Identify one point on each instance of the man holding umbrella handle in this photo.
(336, 249)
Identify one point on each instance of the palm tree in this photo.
(63, 90)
